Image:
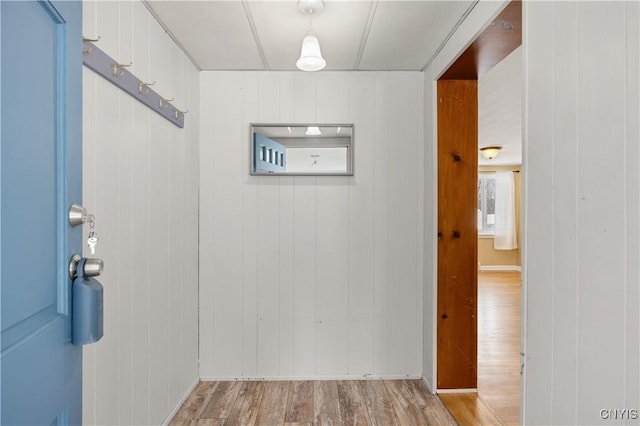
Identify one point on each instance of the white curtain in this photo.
(505, 237)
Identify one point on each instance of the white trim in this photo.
(318, 378)
(434, 241)
(427, 384)
(175, 410)
(500, 268)
(475, 390)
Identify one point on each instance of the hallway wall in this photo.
(582, 214)
(581, 174)
(141, 181)
(311, 276)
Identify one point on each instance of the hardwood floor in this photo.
(331, 402)
(499, 343)
(498, 397)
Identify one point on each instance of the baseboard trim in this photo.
(323, 377)
(474, 390)
(179, 404)
(500, 268)
(427, 384)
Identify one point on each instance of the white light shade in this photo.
(310, 56)
(313, 131)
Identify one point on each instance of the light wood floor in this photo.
(367, 402)
(498, 398)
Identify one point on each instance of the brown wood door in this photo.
(457, 233)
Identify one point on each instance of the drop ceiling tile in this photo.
(281, 28)
(216, 34)
(405, 34)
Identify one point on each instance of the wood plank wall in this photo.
(141, 181)
(312, 276)
(582, 212)
(457, 233)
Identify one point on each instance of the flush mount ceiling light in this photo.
(313, 131)
(310, 7)
(310, 56)
(490, 152)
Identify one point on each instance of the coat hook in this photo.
(164, 102)
(92, 40)
(179, 114)
(143, 89)
(116, 69)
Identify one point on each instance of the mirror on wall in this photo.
(302, 149)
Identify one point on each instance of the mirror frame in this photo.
(350, 151)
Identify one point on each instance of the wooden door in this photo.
(457, 233)
(41, 171)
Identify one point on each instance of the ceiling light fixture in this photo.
(310, 7)
(490, 152)
(313, 131)
(310, 56)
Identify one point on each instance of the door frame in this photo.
(467, 60)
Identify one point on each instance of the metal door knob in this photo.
(92, 267)
(78, 215)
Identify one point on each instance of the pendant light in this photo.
(310, 56)
(313, 131)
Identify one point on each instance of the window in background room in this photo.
(486, 203)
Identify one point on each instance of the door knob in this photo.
(78, 215)
(90, 267)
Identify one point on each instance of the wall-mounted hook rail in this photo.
(143, 88)
(110, 69)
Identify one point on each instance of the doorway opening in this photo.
(478, 307)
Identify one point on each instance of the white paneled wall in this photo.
(312, 276)
(582, 162)
(141, 181)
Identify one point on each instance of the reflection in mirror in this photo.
(302, 149)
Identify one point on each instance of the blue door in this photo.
(40, 172)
